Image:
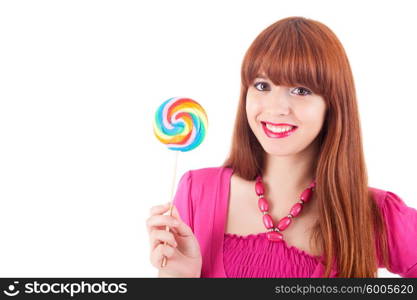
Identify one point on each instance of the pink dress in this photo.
(202, 200)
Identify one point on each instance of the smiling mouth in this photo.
(281, 131)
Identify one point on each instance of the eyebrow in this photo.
(261, 76)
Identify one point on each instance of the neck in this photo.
(289, 175)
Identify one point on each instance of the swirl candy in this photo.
(180, 124)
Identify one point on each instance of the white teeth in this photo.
(278, 129)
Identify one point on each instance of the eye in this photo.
(304, 91)
(261, 85)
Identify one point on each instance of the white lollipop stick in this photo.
(164, 258)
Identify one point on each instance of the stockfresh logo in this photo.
(12, 289)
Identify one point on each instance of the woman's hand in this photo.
(182, 249)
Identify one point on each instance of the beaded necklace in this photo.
(274, 233)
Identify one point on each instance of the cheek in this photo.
(313, 115)
(252, 108)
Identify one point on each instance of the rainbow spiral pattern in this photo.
(180, 124)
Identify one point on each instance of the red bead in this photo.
(283, 223)
(306, 195)
(259, 187)
(259, 179)
(274, 236)
(263, 204)
(296, 209)
(268, 221)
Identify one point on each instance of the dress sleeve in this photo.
(401, 223)
(183, 201)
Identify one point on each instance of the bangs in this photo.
(290, 56)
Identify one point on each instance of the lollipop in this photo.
(180, 124)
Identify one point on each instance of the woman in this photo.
(292, 199)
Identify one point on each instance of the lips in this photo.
(278, 135)
(279, 124)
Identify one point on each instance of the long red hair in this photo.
(299, 51)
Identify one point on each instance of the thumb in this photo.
(182, 229)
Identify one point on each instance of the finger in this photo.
(160, 221)
(161, 236)
(158, 254)
(182, 229)
(159, 209)
(174, 211)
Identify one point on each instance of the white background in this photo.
(81, 80)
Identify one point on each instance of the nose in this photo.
(279, 101)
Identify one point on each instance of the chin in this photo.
(279, 152)
(286, 150)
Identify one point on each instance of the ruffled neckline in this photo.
(262, 235)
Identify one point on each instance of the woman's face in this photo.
(296, 105)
